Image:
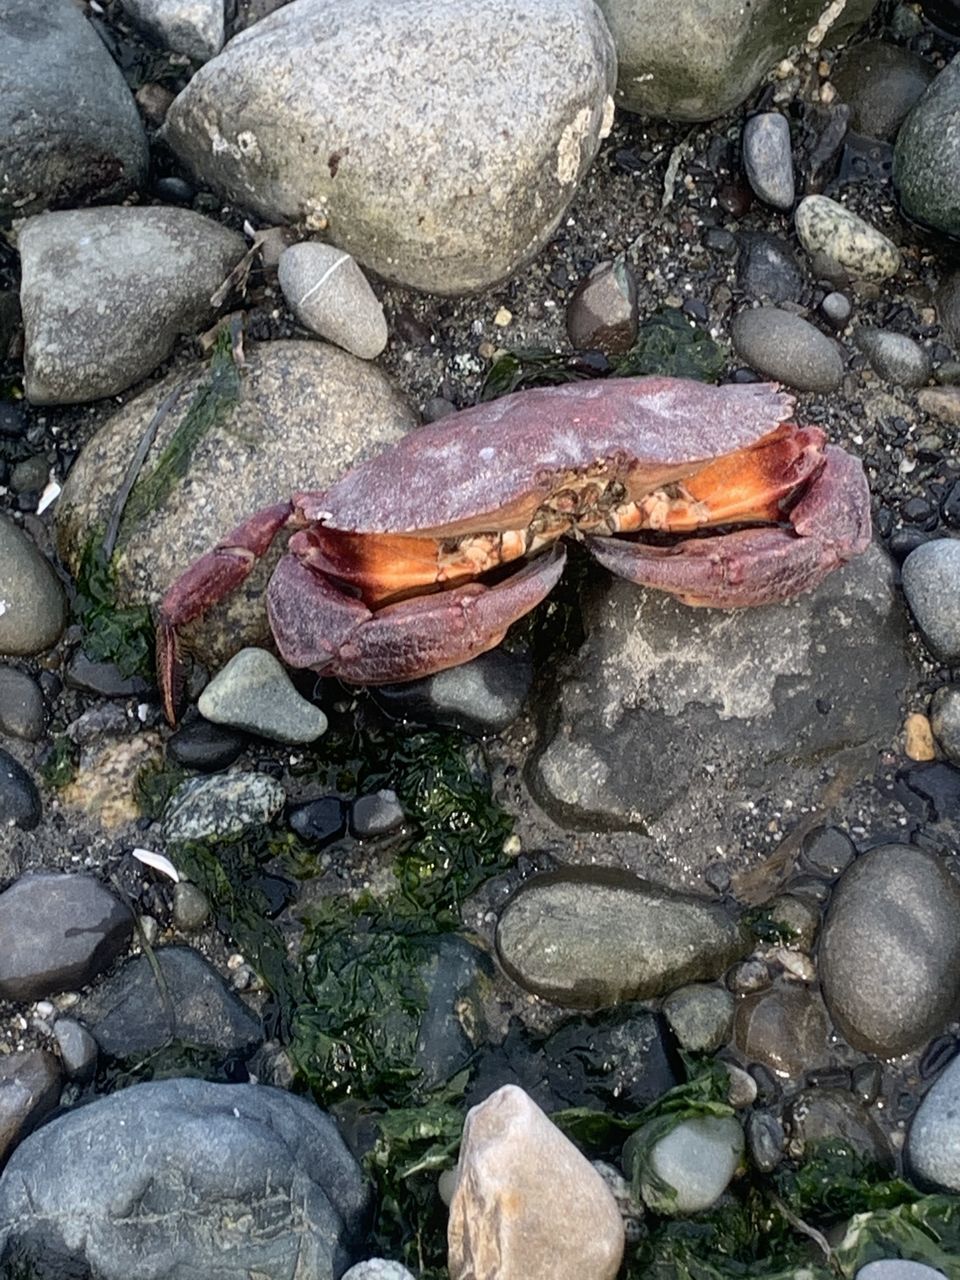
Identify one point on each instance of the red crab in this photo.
(422, 557)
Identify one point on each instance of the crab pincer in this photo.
(422, 557)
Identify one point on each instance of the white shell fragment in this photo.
(158, 862)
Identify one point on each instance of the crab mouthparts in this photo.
(749, 486)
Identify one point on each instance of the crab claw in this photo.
(828, 526)
(317, 625)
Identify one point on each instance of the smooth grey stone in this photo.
(381, 1269)
(129, 1014)
(198, 744)
(69, 128)
(933, 1143)
(294, 429)
(602, 313)
(57, 933)
(221, 806)
(880, 83)
(931, 583)
(798, 918)
(825, 1115)
(889, 958)
(19, 798)
(837, 309)
(898, 1269)
(191, 908)
(765, 1140)
(768, 159)
(945, 720)
(947, 299)
(831, 231)
(21, 705)
(826, 851)
(697, 1159)
(376, 815)
(781, 345)
(482, 696)
(32, 609)
(701, 1016)
(926, 158)
(102, 678)
(894, 357)
(193, 27)
(227, 1180)
(29, 1090)
(435, 170)
(603, 937)
(330, 295)
(767, 268)
(698, 61)
(105, 293)
(784, 1029)
(254, 693)
(78, 1049)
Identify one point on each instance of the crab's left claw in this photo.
(828, 526)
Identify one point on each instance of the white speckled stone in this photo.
(826, 227)
(220, 806)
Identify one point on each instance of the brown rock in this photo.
(785, 1029)
(527, 1203)
(942, 403)
(602, 314)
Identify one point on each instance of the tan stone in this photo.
(105, 783)
(942, 403)
(527, 1203)
(918, 738)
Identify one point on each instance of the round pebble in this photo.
(32, 609)
(320, 821)
(222, 806)
(783, 346)
(191, 908)
(837, 309)
(376, 815)
(21, 705)
(767, 158)
(19, 798)
(931, 583)
(198, 744)
(701, 1016)
(894, 357)
(330, 295)
(826, 227)
(933, 1144)
(253, 692)
(697, 1159)
(945, 720)
(898, 1269)
(827, 851)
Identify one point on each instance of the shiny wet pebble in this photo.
(19, 798)
(376, 815)
(482, 696)
(767, 158)
(827, 851)
(320, 821)
(21, 705)
(198, 744)
(767, 269)
(765, 1140)
(781, 345)
(696, 1160)
(701, 1016)
(931, 583)
(254, 693)
(933, 1144)
(828, 228)
(894, 357)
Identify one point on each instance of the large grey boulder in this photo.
(927, 154)
(105, 292)
(306, 413)
(69, 128)
(184, 1180)
(438, 143)
(697, 59)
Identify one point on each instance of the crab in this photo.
(422, 557)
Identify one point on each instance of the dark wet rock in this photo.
(602, 937)
(765, 1140)
(671, 715)
(827, 851)
(795, 918)
(931, 583)
(784, 1029)
(349, 100)
(9, 321)
(748, 977)
(933, 1143)
(130, 1015)
(69, 129)
(106, 720)
(695, 1161)
(329, 294)
(30, 474)
(173, 190)
(254, 693)
(19, 798)
(903, 542)
(191, 907)
(890, 952)
(708, 57)
(32, 610)
(456, 976)
(307, 413)
(320, 821)
(57, 933)
(701, 1016)
(376, 815)
(720, 240)
(867, 1081)
(784, 346)
(623, 1060)
(238, 1180)
(86, 273)
(767, 269)
(945, 720)
(78, 1049)
(880, 83)
(927, 155)
(191, 27)
(824, 1115)
(21, 705)
(222, 806)
(830, 231)
(482, 696)
(938, 785)
(29, 1090)
(767, 158)
(948, 305)
(894, 357)
(602, 314)
(198, 744)
(103, 678)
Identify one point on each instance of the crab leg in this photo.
(829, 525)
(316, 625)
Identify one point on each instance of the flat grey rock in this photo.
(254, 692)
(69, 128)
(32, 607)
(106, 291)
(784, 346)
(367, 122)
(329, 294)
(193, 27)
(217, 1179)
(768, 159)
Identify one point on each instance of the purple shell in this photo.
(474, 463)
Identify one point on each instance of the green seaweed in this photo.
(123, 636)
(60, 767)
(155, 783)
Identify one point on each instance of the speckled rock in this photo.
(32, 609)
(767, 158)
(945, 720)
(330, 295)
(894, 357)
(307, 412)
(701, 1016)
(69, 128)
(927, 155)
(193, 27)
(890, 953)
(933, 1143)
(826, 227)
(221, 806)
(254, 692)
(784, 346)
(86, 274)
(880, 83)
(931, 583)
(366, 121)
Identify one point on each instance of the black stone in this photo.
(13, 419)
(950, 507)
(721, 241)
(767, 268)
(173, 190)
(376, 815)
(482, 696)
(938, 785)
(19, 797)
(199, 744)
(903, 541)
(920, 511)
(320, 821)
(103, 678)
(936, 1056)
(827, 851)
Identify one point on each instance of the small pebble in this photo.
(765, 1140)
(19, 797)
(173, 190)
(701, 1016)
(191, 908)
(918, 738)
(768, 160)
(602, 314)
(102, 678)
(894, 357)
(32, 606)
(786, 347)
(378, 1269)
(21, 705)
(78, 1049)
(942, 403)
(898, 1269)
(254, 693)
(837, 309)
(376, 815)
(767, 269)
(826, 227)
(330, 295)
(198, 744)
(827, 851)
(320, 821)
(931, 583)
(945, 720)
(30, 475)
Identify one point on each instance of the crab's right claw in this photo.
(170, 672)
